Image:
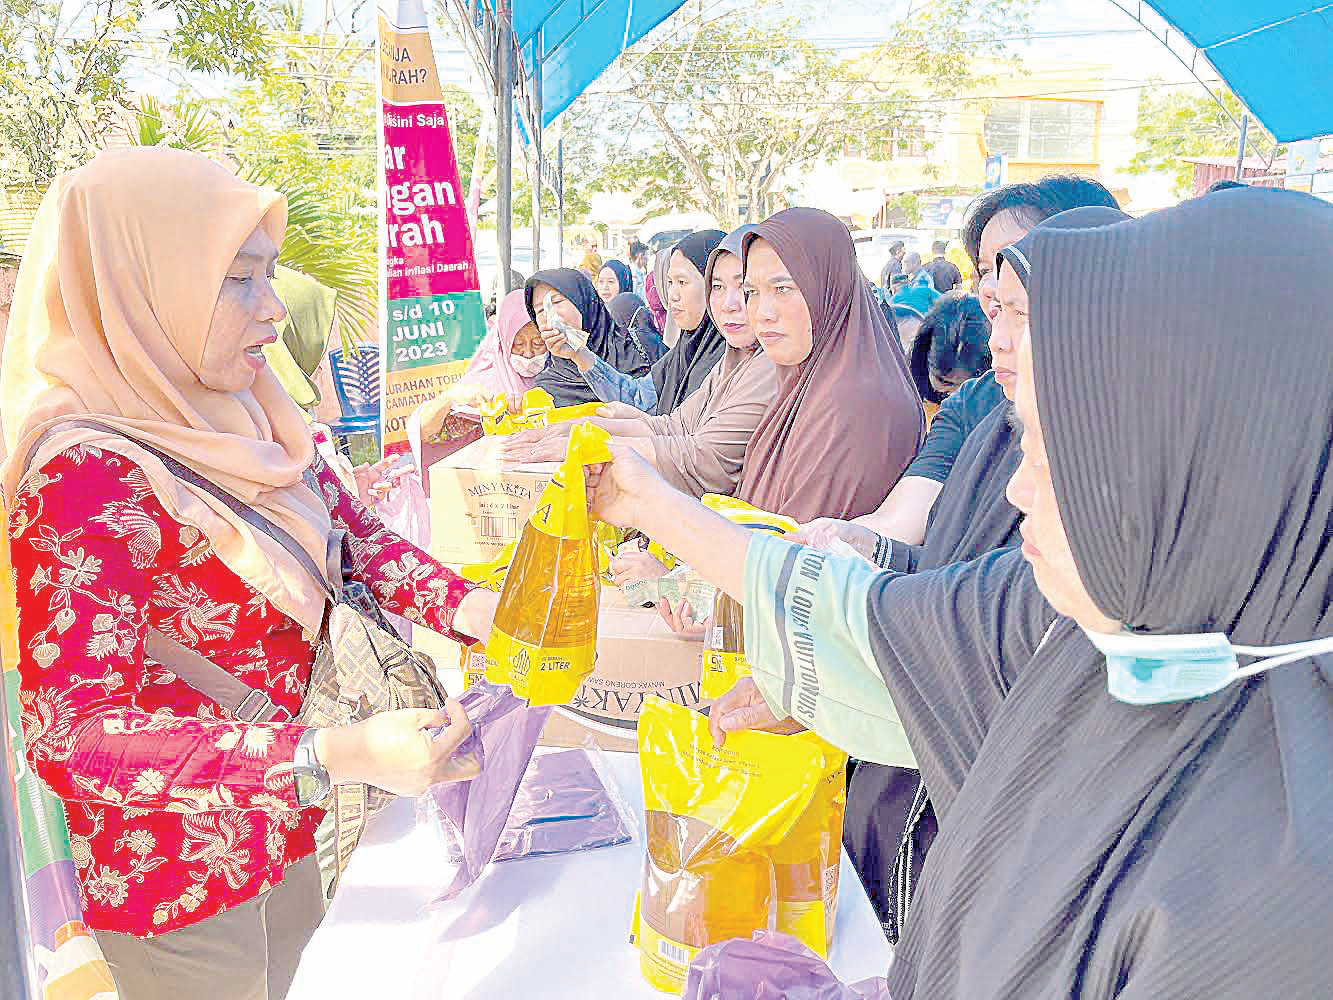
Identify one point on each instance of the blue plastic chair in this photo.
(356, 380)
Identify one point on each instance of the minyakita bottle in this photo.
(544, 639)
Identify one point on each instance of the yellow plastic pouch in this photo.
(748, 515)
(495, 417)
(545, 634)
(497, 420)
(564, 414)
(724, 649)
(490, 575)
(806, 862)
(724, 660)
(608, 539)
(713, 816)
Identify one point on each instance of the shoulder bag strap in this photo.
(246, 703)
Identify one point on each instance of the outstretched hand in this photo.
(537, 444)
(620, 489)
(558, 344)
(620, 411)
(681, 619)
(635, 564)
(743, 707)
(822, 532)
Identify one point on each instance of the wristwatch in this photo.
(312, 780)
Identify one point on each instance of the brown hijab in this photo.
(111, 317)
(847, 420)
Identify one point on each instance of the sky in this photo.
(1063, 30)
(1078, 30)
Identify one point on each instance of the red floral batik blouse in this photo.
(177, 810)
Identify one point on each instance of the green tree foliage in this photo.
(741, 100)
(305, 124)
(1175, 124)
(464, 126)
(908, 205)
(192, 126)
(63, 70)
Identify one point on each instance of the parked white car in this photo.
(662, 231)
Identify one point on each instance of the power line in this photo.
(629, 95)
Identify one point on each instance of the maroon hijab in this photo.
(847, 420)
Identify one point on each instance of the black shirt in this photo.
(893, 268)
(958, 416)
(944, 273)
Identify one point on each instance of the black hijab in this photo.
(624, 276)
(684, 368)
(1097, 849)
(612, 343)
(632, 313)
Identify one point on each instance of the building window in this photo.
(1064, 131)
(904, 141)
(1004, 129)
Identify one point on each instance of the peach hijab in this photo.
(111, 313)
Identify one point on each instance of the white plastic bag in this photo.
(405, 510)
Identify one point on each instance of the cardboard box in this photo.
(477, 507)
(637, 655)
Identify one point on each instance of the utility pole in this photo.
(504, 143)
(535, 82)
(1240, 152)
(560, 200)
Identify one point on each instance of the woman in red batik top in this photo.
(142, 304)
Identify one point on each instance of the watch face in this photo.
(309, 788)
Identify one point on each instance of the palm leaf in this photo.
(196, 127)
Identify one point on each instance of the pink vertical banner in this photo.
(434, 320)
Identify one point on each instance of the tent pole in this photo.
(1240, 151)
(504, 143)
(560, 199)
(536, 84)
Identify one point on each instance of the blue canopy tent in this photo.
(561, 46)
(1277, 57)
(567, 44)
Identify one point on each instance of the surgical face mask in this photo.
(1156, 669)
(527, 367)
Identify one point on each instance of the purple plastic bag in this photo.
(563, 805)
(474, 813)
(771, 966)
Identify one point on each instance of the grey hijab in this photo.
(1100, 850)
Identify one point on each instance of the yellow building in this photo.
(1043, 117)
